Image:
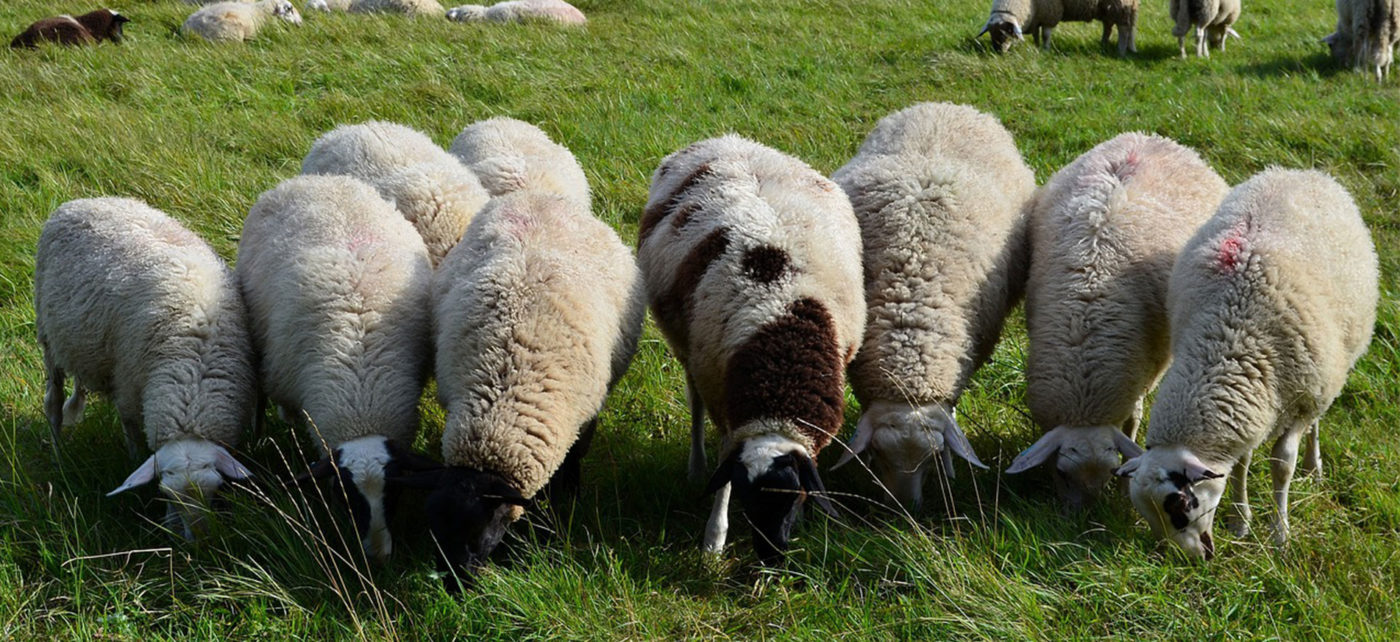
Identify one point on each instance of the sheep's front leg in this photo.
(1202, 50)
(1108, 31)
(1045, 37)
(1238, 518)
(1181, 41)
(1130, 426)
(697, 432)
(53, 399)
(1130, 32)
(717, 529)
(1282, 463)
(1312, 454)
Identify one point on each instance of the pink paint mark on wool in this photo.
(360, 241)
(1228, 258)
(1126, 167)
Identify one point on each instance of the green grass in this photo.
(199, 131)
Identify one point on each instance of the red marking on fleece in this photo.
(1127, 167)
(1227, 258)
(360, 241)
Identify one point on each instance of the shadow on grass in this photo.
(1316, 62)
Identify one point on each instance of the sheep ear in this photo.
(812, 482)
(1127, 447)
(1039, 452)
(723, 475)
(323, 468)
(506, 494)
(955, 440)
(426, 480)
(985, 28)
(859, 442)
(1129, 467)
(410, 461)
(229, 467)
(144, 474)
(1016, 28)
(1197, 471)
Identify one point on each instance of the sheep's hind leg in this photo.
(1282, 463)
(1237, 520)
(717, 529)
(698, 472)
(1202, 48)
(53, 399)
(1312, 454)
(1045, 37)
(1108, 31)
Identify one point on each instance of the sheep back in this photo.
(509, 155)
(371, 150)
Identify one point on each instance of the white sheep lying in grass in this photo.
(1104, 233)
(1367, 33)
(228, 21)
(409, 7)
(510, 155)
(938, 190)
(138, 308)
(1211, 21)
(1272, 302)
(328, 5)
(519, 11)
(337, 288)
(1009, 20)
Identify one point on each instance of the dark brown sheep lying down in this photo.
(89, 28)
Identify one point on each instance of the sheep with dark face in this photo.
(89, 28)
(752, 266)
(1010, 19)
(337, 288)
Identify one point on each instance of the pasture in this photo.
(199, 131)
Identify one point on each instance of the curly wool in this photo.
(509, 155)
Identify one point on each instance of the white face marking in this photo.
(757, 454)
(365, 459)
(189, 477)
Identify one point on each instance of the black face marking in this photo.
(772, 503)
(468, 514)
(1177, 505)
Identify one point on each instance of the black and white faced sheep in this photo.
(1366, 36)
(939, 191)
(89, 28)
(1210, 20)
(134, 306)
(1104, 233)
(752, 267)
(1010, 19)
(537, 313)
(1272, 302)
(337, 288)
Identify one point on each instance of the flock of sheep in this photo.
(390, 260)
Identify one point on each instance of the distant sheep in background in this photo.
(1009, 20)
(510, 155)
(89, 28)
(328, 5)
(1272, 302)
(238, 21)
(407, 7)
(519, 11)
(1366, 36)
(1210, 20)
(138, 308)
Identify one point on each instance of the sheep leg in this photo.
(565, 482)
(1045, 40)
(1181, 41)
(1312, 454)
(1282, 462)
(1108, 31)
(1125, 40)
(698, 472)
(1238, 518)
(1130, 425)
(718, 527)
(1201, 50)
(131, 426)
(53, 396)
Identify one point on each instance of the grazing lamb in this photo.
(520, 11)
(1367, 33)
(226, 21)
(537, 314)
(429, 186)
(1211, 21)
(337, 288)
(1010, 18)
(409, 7)
(1271, 303)
(938, 190)
(752, 266)
(1104, 234)
(138, 308)
(509, 155)
(89, 28)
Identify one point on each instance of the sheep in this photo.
(89, 28)
(1104, 233)
(138, 308)
(537, 314)
(409, 7)
(1367, 32)
(1272, 302)
(510, 155)
(1010, 18)
(328, 5)
(337, 288)
(752, 267)
(429, 186)
(938, 190)
(1211, 20)
(519, 11)
(237, 21)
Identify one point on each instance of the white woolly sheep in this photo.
(337, 288)
(1211, 21)
(1367, 33)
(409, 7)
(537, 314)
(509, 155)
(138, 308)
(328, 5)
(1009, 20)
(429, 186)
(938, 190)
(519, 11)
(1104, 233)
(1271, 302)
(226, 21)
(752, 266)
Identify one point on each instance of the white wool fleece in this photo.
(509, 155)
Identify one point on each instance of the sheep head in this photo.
(1084, 458)
(191, 473)
(1177, 494)
(1004, 28)
(905, 440)
(772, 476)
(468, 513)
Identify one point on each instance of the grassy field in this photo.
(199, 131)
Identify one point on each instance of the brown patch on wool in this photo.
(790, 369)
(666, 206)
(765, 264)
(673, 309)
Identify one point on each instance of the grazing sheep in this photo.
(938, 190)
(328, 5)
(1272, 302)
(1104, 234)
(370, 150)
(1211, 21)
(752, 266)
(138, 308)
(1010, 18)
(409, 7)
(89, 28)
(509, 155)
(226, 21)
(519, 11)
(1367, 33)
(337, 288)
(537, 314)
